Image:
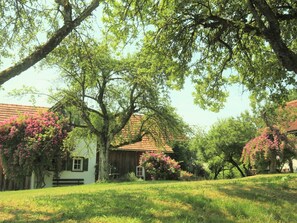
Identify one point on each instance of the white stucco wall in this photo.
(82, 150)
(286, 166)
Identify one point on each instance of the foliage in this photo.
(186, 176)
(30, 143)
(269, 147)
(35, 28)
(131, 177)
(224, 142)
(118, 103)
(187, 158)
(196, 201)
(159, 166)
(218, 42)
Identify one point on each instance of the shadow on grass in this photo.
(115, 206)
(218, 201)
(277, 198)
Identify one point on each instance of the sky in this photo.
(182, 100)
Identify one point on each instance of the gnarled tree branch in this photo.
(43, 50)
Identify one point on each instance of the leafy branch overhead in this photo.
(216, 43)
(32, 20)
(220, 42)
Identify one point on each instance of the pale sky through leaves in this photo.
(182, 100)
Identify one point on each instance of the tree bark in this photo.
(103, 151)
(272, 165)
(271, 31)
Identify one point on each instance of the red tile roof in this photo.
(10, 110)
(147, 144)
(293, 125)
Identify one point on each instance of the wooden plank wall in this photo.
(6, 184)
(124, 161)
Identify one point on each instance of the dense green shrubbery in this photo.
(159, 166)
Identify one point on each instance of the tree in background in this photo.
(32, 144)
(106, 92)
(218, 43)
(272, 148)
(222, 145)
(187, 158)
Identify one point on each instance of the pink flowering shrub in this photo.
(159, 166)
(31, 143)
(268, 146)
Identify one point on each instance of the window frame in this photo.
(81, 169)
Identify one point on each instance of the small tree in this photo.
(160, 166)
(222, 146)
(32, 143)
(270, 148)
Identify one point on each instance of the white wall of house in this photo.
(286, 166)
(82, 150)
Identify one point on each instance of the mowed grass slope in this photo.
(267, 198)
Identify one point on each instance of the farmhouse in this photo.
(292, 128)
(79, 167)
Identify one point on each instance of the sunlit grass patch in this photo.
(256, 199)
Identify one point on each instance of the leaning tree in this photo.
(223, 143)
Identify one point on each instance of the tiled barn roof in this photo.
(146, 144)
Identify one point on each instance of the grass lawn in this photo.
(266, 198)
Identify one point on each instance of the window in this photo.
(140, 172)
(77, 164)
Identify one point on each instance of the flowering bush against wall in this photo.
(268, 148)
(159, 166)
(31, 143)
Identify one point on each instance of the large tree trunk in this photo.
(103, 171)
(272, 165)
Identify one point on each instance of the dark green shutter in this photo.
(69, 164)
(86, 164)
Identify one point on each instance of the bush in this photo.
(159, 166)
(186, 176)
(131, 177)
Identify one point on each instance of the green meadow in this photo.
(263, 198)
